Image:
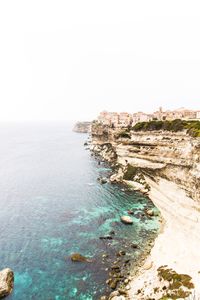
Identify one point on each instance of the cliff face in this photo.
(168, 155)
(82, 127)
(166, 167)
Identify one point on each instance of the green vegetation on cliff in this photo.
(179, 285)
(192, 127)
(130, 172)
(123, 134)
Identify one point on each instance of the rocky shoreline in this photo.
(122, 272)
(164, 167)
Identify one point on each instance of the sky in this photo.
(71, 59)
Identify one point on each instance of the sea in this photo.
(52, 205)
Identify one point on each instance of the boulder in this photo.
(134, 246)
(113, 284)
(150, 212)
(114, 294)
(6, 282)
(102, 180)
(126, 220)
(122, 291)
(126, 281)
(148, 265)
(118, 298)
(77, 257)
(115, 267)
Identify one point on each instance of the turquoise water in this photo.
(51, 205)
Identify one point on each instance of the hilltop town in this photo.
(125, 119)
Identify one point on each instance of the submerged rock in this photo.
(6, 282)
(112, 232)
(77, 257)
(134, 246)
(121, 253)
(106, 237)
(126, 220)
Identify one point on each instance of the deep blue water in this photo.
(51, 205)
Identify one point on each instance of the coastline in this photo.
(163, 166)
(174, 247)
(177, 242)
(130, 272)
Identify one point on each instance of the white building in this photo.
(198, 114)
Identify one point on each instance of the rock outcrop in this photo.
(82, 127)
(6, 282)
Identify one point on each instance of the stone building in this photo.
(125, 119)
(141, 117)
(114, 119)
(180, 113)
(104, 118)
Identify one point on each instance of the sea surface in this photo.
(52, 205)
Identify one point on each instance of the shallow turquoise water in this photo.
(51, 205)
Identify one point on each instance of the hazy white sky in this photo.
(70, 59)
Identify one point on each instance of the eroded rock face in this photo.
(174, 156)
(6, 282)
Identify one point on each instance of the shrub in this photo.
(130, 172)
(192, 127)
(123, 134)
